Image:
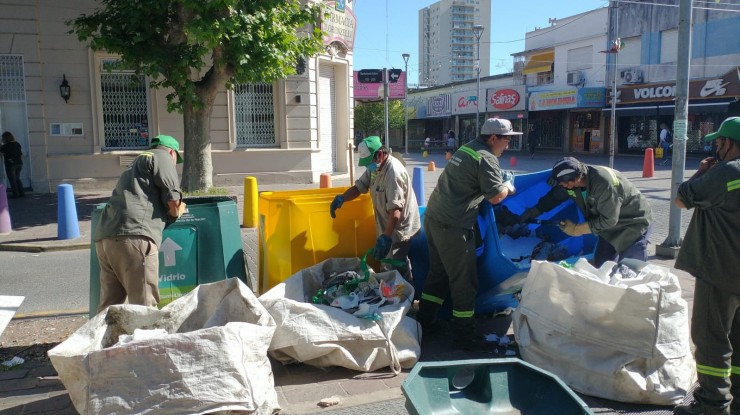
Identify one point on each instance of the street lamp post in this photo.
(406, 57)
(477, 31)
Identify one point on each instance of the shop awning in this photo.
(539, 62)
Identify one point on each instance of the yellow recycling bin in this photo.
(297, 231)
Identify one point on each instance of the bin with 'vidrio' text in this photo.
(204, 245)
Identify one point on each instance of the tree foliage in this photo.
(196, 47)
(370, 117)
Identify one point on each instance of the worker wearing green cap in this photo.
(709, 252)
(394, 202)
(129, 232)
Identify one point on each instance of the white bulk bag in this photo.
(202, 353)
(323, 336)
(626, 342)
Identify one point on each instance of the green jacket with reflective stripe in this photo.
(471, 175)
(613, 207)
(710, 247)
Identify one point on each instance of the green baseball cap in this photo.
(367, 149)
(730, 128)
(169, 142)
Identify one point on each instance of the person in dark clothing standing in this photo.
(533, 139)
(472, 176)
(613, 207)
(13, 158)
(709, 253)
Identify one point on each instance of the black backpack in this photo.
(668, 137)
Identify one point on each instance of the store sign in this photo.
(464, 102)
(505, 99)
(439, 106)
(340, 25)
(727, 86)
(568, 98)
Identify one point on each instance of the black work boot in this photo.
(464, 337)
(696, 408)
(427, 317)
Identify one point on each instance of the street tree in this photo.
(370, 117)
(197, 47)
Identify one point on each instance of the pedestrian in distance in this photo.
(397, 218)
(472, 176)
(146, 199)
(613, 208)
(13, 159)
(709, 253)
(666, 142)
(533, 140)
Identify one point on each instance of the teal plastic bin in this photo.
(202, 246)
(488, 386)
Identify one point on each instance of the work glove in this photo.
(336, 204)
(510, 185)
(382, 247)
(508, 175)
(574, 229)
(529, 214)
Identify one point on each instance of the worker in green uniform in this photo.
(709, 252)
(394, 202)
(471, 177)
(130, 229)
(613, 208)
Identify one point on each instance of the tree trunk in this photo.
(198, 168)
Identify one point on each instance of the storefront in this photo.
(464, 111)
(509, 103)
(568, 120)
(643, 108)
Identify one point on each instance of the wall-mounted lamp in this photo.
(64, 89)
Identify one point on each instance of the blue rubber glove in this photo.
(382, 247)
(507, 175)
(336, 204)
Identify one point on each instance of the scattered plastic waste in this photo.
(346, 302)
(15, 361)
(548, 251)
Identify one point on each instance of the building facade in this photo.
(647, 68)
(448, 46)
(291, 130)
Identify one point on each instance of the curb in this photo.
(42, 248)
(52, 313)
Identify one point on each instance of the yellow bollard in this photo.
(249, 219)
(431, 166)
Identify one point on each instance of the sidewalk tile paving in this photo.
(35, 389)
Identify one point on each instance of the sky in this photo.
(388, 28)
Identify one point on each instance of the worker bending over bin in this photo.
(394, 202)
(613, 207)
(472, 176)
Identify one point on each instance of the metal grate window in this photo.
(255, 115)
(125, 108)
(12, 88)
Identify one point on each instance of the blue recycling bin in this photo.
(493, 266)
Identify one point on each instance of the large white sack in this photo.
(206, 352)
(627, 343)
(323, 336)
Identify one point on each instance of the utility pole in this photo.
(615, 70)
(669, 247)
(385, 102)
(405, 57)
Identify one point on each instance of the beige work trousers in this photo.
(129, 267)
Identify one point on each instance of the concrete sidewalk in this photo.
(37, 390)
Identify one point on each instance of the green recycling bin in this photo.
(204, 245)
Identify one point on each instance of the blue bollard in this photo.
(68, 226)
(417, 183)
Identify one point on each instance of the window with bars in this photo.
(12, 87)
(125, 107)
(254, 114)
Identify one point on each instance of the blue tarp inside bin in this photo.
(493, 266)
